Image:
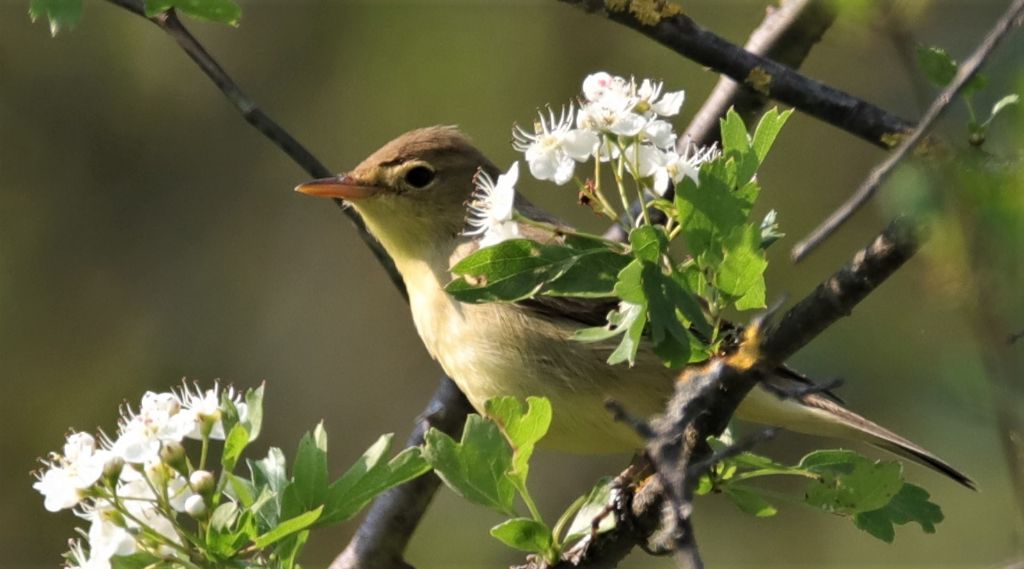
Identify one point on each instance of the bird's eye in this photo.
(419, 176)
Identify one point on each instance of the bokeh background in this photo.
(148, 234)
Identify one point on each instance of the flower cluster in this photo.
(131, 489)
(617, 122)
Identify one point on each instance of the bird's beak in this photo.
(344, 187)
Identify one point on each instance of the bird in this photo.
(412, 195)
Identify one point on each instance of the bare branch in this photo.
(867, 189)
(787, 34)
(381, 539)
(663, 22)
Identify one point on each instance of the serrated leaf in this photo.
(911, 504)
(619, 321)
(524, 534)
(234, 443)
(734, 133)
(369, 477)
(477, 467)
(741, 274)
(240, 490)
(710, 212)
(936, 65)
(309, 472)
(750, 501)
(220, 11)
(595, 504)
(522, 429)
(61, 14)
(851, 484)
(270, 471)
(666, 301)
(767, 130)
(630, 343)
(648, 243)
(288, 527)
(223, 517)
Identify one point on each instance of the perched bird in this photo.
(412, 194)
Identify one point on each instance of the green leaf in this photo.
(596, 502)
(741, 274)
(648, 243)
(234, 444)
(254, 415)
(976, 83)
(911, 504)
(936, 65)
(767, 130)
(630, 343)
(851, 484)
(750, 501)
(62, 14)
(309, 473)
(369, 477)
(592, 274)
(629, 286)
(477, 467)
(770, 229)
(223, 517)
(524, 534)
(666, 299)
(270, 471)
(288, 527)
(734, 134)
(220, 11)
(134, 561)
(1002, 104)
(619, 320)
(522, 429)
(288, 549)
(509, 271)
(240, 489)
(710, 212)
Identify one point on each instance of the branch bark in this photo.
(881, 172)
(664, 22)
(787, 34)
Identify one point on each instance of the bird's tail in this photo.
(816, 414)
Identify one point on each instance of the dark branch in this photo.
(663, 22)
(786, 35)
(255, 116)
(381, 540)
(706, 398)
(867, 189)
(391, 521)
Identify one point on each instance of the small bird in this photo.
(412, 194)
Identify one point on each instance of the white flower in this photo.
(159, 420)
(490, 208)
(204, 409)
(80, 559)
(107, 538)
(554, 147)
(64, 483)
(670, 166)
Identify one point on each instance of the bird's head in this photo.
(412, 192)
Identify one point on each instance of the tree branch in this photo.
(381, 540)
(706, 397)
(787, 34)
(881, 172)
(663, 22)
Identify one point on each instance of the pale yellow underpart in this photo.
(493, 349)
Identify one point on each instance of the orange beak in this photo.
(343, 187)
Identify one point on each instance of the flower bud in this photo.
(112, 469)
(195, 506)
(202, 482)
(173, 453)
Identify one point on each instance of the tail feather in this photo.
(876, 435)
(816, 414)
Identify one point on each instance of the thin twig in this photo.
(786, 35)
(867, 189)
(664, 22)
(381, 540)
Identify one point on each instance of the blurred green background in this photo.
(148, 234)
